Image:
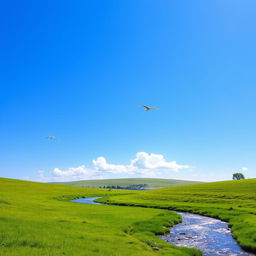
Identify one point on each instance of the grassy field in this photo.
(39, 220)
(231, 201)
(151, 183)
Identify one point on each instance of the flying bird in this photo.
(51, 137)
(147, 108)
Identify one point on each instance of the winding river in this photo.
(212, 236)
(88, 200)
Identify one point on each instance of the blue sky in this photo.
(79, 70)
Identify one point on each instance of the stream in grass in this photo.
(88, 200)
(212, 236)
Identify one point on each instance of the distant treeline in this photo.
(131, 187)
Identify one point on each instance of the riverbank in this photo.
(230, 201)
(211, 236)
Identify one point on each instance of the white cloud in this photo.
(74, 173)
(244, 168)
(101, 165)
(144, 165)
(144, 160)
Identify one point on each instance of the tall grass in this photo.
(39, 220)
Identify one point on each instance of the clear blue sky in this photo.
(79, 70)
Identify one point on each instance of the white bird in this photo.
(147, 108)
(51, 137)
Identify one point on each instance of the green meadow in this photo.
(39, 220)
(231, 201)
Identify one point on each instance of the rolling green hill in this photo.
(231, 201)
(149, 182)
(38, 219)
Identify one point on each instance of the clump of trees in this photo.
(131, 187)
(238, 176)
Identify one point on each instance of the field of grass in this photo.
(39, 220)
(231, 201)
(151, 182)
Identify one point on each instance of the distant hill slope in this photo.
(150, 183)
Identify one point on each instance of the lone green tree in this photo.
(238, 176)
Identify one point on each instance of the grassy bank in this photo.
(231, 201)
(38, 220)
